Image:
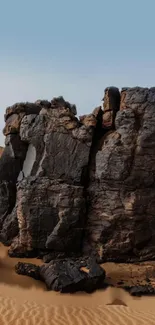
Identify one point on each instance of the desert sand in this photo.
(24, 301)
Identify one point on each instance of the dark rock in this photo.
(43, 103)
(10, 228)
(13, 156)
(83, 184)
(68, 275)
(26, 108)
(11, 163)
(50, 214)
(60, 103)
(7, 199)
(61, 145)
(73, 275)
(121, 191)
(59, 256)
(28, 269)
(140, 290)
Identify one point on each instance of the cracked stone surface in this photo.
(121, 208)
(103, 165)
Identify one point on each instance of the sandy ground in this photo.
(24, 301)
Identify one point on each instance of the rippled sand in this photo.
(24, 301)
(33, 313)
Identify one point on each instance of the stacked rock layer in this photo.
(80, 185)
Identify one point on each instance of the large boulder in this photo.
(68, 275)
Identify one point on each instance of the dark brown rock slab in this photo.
(26, 108)
(68, 275)
(28, 269)
(140, 290)
(60, 103)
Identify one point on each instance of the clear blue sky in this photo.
(74, 48)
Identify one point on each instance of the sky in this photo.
(75, 49)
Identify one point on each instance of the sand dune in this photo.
(29, 313)
(24, 301)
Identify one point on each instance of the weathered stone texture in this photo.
(67, 275)
(64, 144)
(50, 214)
(121, 205)
(51, 205)
(111, 106)
(11, 164)
(22, 108)
(82, 183)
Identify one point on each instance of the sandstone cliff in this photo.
(72, 185)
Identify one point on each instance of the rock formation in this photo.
(121, 204)
(84, 185)
(50, 207)
(68, 275)
(11, 164)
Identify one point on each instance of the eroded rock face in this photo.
(11, 164)
(51, 204)
(23, 108)
(62, 144)
(111, 107)
(121, 222)
(50, 214)
(84, 184)
(10, 228)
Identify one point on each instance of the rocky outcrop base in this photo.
(68, 275)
